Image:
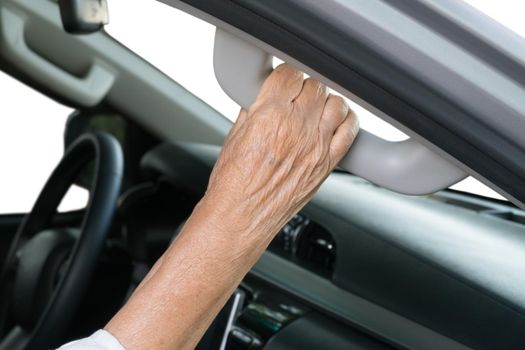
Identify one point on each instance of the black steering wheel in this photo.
(47, 271)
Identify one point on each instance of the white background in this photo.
(32, 126)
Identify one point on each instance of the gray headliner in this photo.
(139, 90)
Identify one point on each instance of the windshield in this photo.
(189, 61)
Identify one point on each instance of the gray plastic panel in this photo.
(406, 167)
(139, 91)
(87, 91)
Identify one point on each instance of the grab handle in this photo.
(87, 91)
(406, 166)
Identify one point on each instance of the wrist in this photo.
(223, 216)
(219, 217)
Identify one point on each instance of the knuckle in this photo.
(286, 70)
(354, 121)
(339, 101)
(314, 92)
(316, 85)
(338, 105)
(335, 110)
(311, 84)
(322, 89)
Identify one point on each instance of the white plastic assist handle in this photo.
(87, 91)
(406, 166)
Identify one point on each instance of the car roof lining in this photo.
(139, 91)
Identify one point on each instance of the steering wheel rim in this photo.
(105, 188)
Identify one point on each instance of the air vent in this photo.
(316, 248)
(308, 244)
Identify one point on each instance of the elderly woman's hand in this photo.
(280, 150)
(274, 159)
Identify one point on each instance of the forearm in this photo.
(192, 281)
(271, 164)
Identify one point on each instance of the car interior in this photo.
(383, 257)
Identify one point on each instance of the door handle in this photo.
(405, 166)
(86, 91)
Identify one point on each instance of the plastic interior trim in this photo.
(87, 91)
(323, 293)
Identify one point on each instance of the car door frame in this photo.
(451, 124)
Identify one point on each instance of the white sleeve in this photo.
(100, 340)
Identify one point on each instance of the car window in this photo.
(31, 145)
(188, 59)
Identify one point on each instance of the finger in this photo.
(344, 136)
(312, 97)
(283, 85)
(334, 113)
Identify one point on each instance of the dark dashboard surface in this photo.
(441, 271)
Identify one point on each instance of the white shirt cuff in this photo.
(100, 340)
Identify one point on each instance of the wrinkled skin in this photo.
(273, 161)
(281, 149)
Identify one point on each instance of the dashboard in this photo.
(359, 267)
